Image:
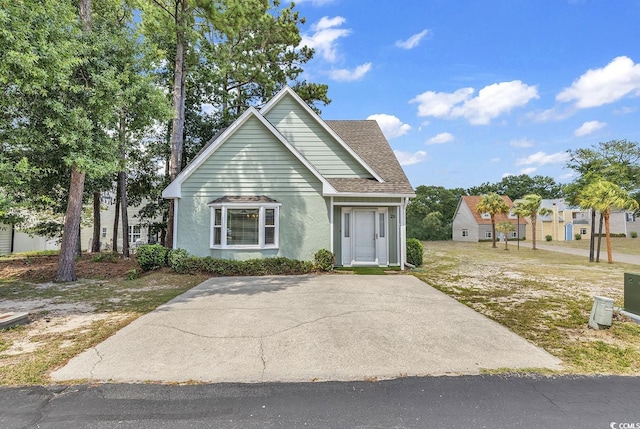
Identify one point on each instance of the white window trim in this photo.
(261, 225)
(487, 234)
(465, 232)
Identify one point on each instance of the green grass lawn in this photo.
(545, 297)
(628, 245)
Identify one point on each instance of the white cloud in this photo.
(440, 138)
(491, 102)
(552, 114)
(596, 87)
(390, 125)
(528, 170)
(588, 128)
(346, 75)
(494, 160)
(506, 175)
(408, 158)
(324, 36)
(567, 176)
(412, 41)
(541, 158)
(522, 143)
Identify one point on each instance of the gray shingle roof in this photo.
(366, 139)
(243, 199)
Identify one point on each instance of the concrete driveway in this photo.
(305, 328)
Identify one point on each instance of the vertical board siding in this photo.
(253, 162)
(5, 239)
(315, 143)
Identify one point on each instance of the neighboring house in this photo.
(469, 225)
(138, 233)
(283, 182)
(563, 223)
(14, 240)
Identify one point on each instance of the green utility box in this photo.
(632, 293)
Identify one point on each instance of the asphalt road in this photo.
(431, 402)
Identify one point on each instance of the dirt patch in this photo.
(43, 268)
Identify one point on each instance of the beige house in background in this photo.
(565, 221)
(13, 240)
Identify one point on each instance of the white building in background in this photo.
(13, 240)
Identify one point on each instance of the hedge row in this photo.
(154, 256)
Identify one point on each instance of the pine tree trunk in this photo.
(177, 129)
(116, 219)
(125, 218)
(97, 227)
(66, 260)
(122, 182)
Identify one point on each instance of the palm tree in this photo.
(601, 196)
(505, 227)
(529, 206)
(493, 204)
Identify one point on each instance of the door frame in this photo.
(380, 243)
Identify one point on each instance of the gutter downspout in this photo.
(331, 225)
(175, 222)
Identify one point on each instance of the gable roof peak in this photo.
(287, 90)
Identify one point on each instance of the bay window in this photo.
(244, 223)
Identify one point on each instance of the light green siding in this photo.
(314, 142)
(337, 235)
(393, 235)
(253, 162)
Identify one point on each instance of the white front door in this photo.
(364, 236)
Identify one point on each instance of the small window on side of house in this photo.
(104, 232)
(583, 231)
(487, 234)
(347, 218)
(514, 234)
(465, 232)
(217, 227)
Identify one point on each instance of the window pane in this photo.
(242, 226)
(269, 235)
(270, 217)
(346, 224)
(218, 217)
(382, 227)
(217, 235)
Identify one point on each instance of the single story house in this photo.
(281, 181)
(471, 226)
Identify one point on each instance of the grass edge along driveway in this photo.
(542, 296)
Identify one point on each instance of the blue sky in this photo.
(468, 91)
